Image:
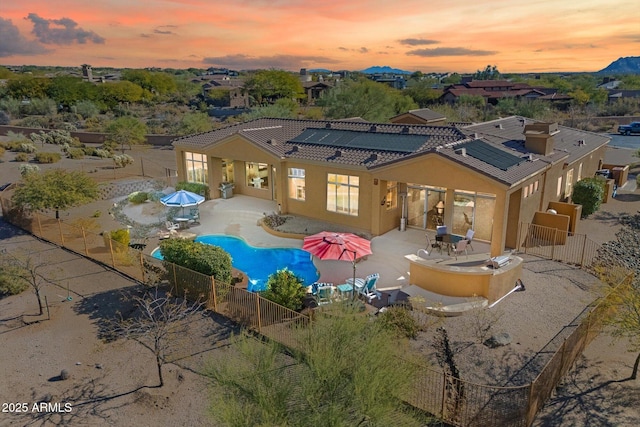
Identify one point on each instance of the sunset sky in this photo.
(437, 35)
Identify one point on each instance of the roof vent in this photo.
(273, 141)
(406, 129)
(582, 142)
(462, 151)
(373, 128)
(499, 126)
(338, 153)
(475, 135)
(328, 126)
(530, 157)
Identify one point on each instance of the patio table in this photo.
(182, 221)
(345, 289)
(449, 239)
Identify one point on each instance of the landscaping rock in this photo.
(64, 374)
(498, 340)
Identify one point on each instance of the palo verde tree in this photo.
(616, 259)
(267, 86)
(126, 130)
(350, 371)
(55, 189)
(160, 323)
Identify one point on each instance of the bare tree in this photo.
(159, 322)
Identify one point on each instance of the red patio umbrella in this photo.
(329, 245)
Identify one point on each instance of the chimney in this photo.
(539, 137)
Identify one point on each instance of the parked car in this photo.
(633, 127)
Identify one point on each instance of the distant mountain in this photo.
(319, 70)
(384, 70)
(628, 65)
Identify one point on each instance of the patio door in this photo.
(421, 206)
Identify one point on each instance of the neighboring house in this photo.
(314, 90)
(489, 176)
(422, 116)
(494, 90)
(617, 94)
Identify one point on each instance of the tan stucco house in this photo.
(376, 177)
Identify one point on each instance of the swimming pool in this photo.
(259, 263)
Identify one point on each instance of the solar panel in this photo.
(491, 154)
(361, 140)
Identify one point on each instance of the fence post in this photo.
(84, 240)
(258, 311)
(444, 393)
(113, 260)
(526, 243)
(213, 294)
(61, 235)
(175, 279)
(553, 245)
(39, 224)
(142, 266)
(584, 250)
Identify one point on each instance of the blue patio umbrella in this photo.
(182, 199)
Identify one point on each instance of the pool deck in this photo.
(240, 215)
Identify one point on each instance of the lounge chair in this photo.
(365, 286)
(369, 290)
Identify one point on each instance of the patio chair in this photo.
(360, 283)
(469, 237)
(171, 226)
(460, 247)
(431, 245)
(441, 230)
(369, 290)
(194, 216)
(325, 293)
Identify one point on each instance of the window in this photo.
(196, 167)
(257, 175)
(391, 198)
(296, 184)
(342, 193)
(579, 172)
(568, 185)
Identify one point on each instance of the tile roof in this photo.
(347, 143)
(424, 114)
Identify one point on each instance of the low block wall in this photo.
(458, 280)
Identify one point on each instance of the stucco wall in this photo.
(88, 137)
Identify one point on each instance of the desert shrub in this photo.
(34, 122)
(194, 187)
(26, 147)
(10, 284)
(589, 193)
(86, 109)
(27, 168)
(2, 150)
(122, 160)
(55, 137)
(22, 157)
(102, 153)
(120, 239)
(75, 153)
(206, 259)
(399, 321)
(45, 157)
(138, 197)
(286, 289)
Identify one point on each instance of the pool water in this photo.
(259, 263)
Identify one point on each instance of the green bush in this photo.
(44, 157)
(286, 289)
(22, 157)
(122, 160)
(102, 153)
(121, 238)
(138, 197)
(11, 285)
(75, 153)
(399, 321)
(194, 187)
(27, 168)
(2, 150)
(589, 193)
(206, 259)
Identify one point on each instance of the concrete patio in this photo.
(240, 215)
